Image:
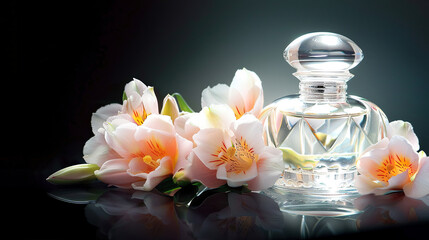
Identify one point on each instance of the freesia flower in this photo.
(394, 164)
(235, 156)
(244, 95)
(147, 153)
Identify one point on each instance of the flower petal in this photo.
(216, 95)
(184, 147)
(270, 167)
(238, 179)
(150, 101)
(153, 178)
(249, 128)
(404, 129)
(420, 186)
(209, 141)
(197, 171)
(102, 114)
(114, 172)
(135, 86)
(248, 85)
(96, 150)
(366, 185)
(121, 138)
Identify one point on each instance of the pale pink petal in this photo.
(160, 122)
(270, 167)
(121, 139)
(404, 129)
(397, 182)
(216, 95)
(248, 84)
(237, 102)
(197, 171)
(258, 105)
(102, 114)
(114, 172)
(367, 185)
(209, 141)
(149, 137)
(135, 86)
(97, 151)
(150, 101)
(249, 128)
(184, 128)
(156, 176)
(401, 146)
(184, 147)
(214, 116)
(420, 186)
(238, 179)
(383, 143)
(368, 163)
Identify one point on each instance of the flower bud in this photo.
(169, 107)
(180, 178)
(73, 174)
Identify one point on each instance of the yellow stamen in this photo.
(238, 113)
(140, 116)
(155, 148)
(238, 158)
(153, 164)
(394, 165)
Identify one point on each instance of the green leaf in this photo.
(182, 103)
(74, 174)
(124, 96)
(167, 186)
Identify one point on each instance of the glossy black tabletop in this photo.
(95, 211)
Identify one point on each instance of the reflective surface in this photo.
(215, 214)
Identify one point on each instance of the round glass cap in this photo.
(323, 51)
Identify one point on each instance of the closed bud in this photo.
(73, 174)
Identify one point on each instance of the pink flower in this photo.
(216, 116)
(394, 164)
(140, 101)
(235, 156)
(146, 153)
(244, 95)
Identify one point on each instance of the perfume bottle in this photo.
(322, 130)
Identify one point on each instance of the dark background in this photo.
(67, 59)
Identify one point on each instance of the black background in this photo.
(67, 59)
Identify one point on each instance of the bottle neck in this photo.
(323, 91)
(323, 86)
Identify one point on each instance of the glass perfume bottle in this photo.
(321, 130)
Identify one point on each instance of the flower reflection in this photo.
(125, 214)
(390, 209)
(235, 216)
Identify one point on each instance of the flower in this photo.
(236, 156)
(147, 153)
(404, 129)
(139, 101)
(244, 95)
(215, 116)
(394, 164)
